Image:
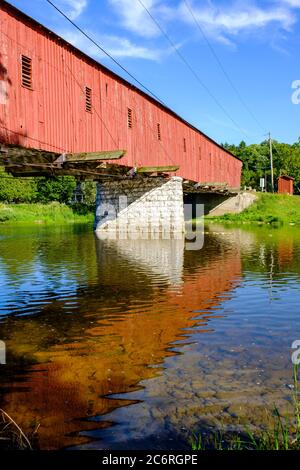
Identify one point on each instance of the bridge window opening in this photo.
(26, 72)
(129, 118)
(200, 153)
(184, 145)
(88, 99)
(106, 89)
(158, 132)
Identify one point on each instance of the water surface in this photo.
(136, 344)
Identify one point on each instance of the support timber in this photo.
(20, 161)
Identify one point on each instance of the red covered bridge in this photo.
(60, 109)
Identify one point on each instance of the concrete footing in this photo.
(153, 207)
(139, 207)
(220, 204)
(234, 204)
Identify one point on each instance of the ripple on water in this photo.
(146, 336)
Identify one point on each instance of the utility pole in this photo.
(271, 163)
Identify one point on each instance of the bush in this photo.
(55, 189)
(15, 189)
(43, 190)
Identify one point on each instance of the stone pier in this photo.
(140, 206)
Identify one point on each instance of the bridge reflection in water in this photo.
(70, 361)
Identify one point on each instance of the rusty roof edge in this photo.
(286, 176)
(11, 8)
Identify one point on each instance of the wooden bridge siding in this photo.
(52, 116)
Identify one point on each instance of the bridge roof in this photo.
(35, 24)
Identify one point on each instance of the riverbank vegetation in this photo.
(44, 200)
(275, 209)
(53, 212)
(256, 162)
(42, 190)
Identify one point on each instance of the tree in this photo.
(55, 189)
(16, 189)
(256, 161)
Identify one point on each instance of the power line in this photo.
(114, 60)
(227, 76)
(137, 80)
(105, 52)
(118, 110)
(188, 65)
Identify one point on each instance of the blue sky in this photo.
(257, 42)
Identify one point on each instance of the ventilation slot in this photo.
(88, 99)
(129, 118)
(158, 132)
(26, 72)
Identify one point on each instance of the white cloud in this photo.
(116, 46)
(135, 18)
(73, 8)
(239, 17)
(122, 47)
(222, 22)
(292, 3)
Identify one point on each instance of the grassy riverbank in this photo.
(268, 209)
(52, 213)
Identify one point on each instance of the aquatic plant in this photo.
(11, 435)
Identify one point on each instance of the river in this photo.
(138, 344)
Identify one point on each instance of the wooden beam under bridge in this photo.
(157, 169)
(86, 157)
(21, 161)
(44, 156)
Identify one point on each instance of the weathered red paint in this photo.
(286, 185)
(53, 115)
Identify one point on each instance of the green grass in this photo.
(52, 213)
(284, 435)
(275, 209)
